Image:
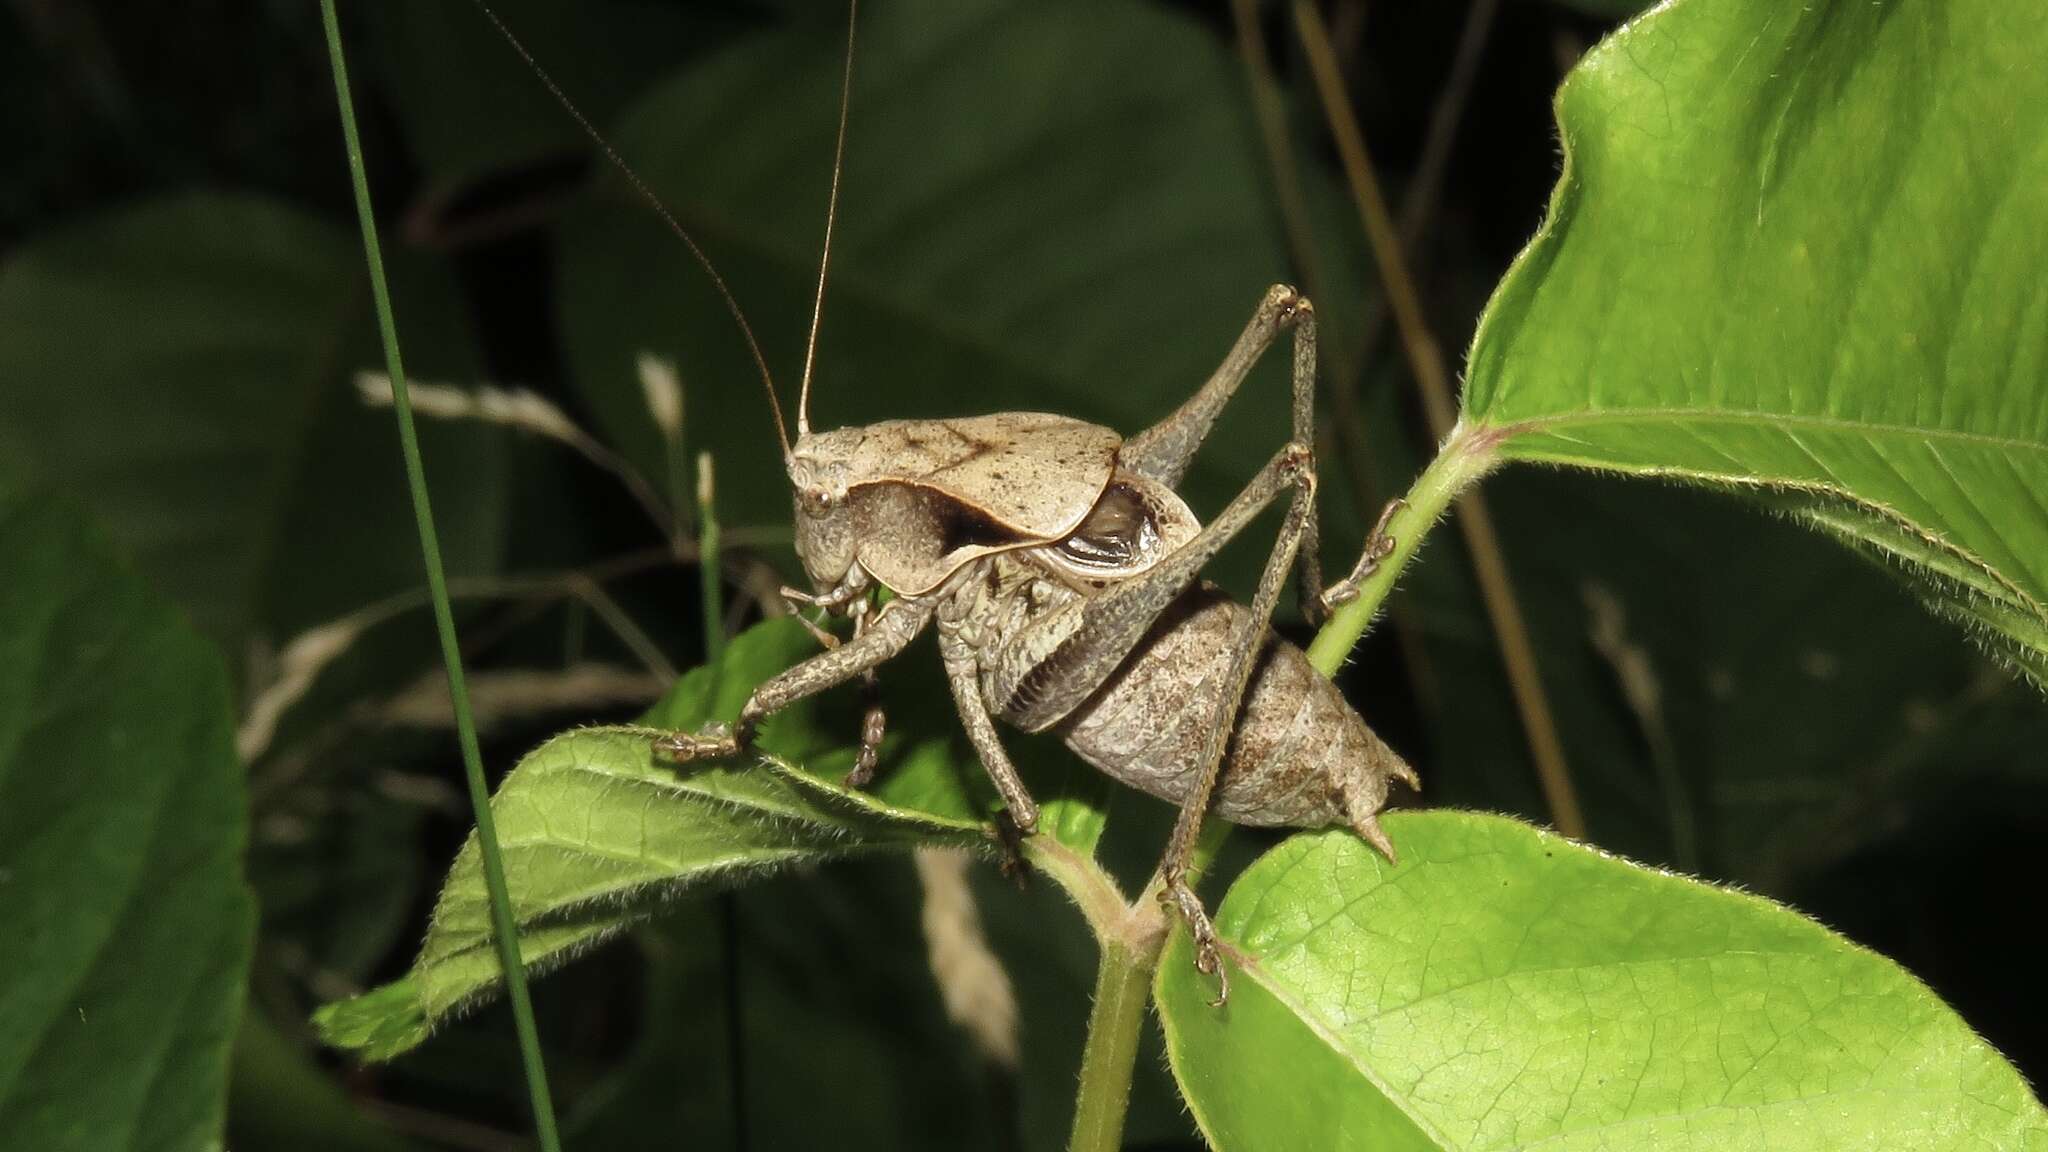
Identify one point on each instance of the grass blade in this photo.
(444, 618)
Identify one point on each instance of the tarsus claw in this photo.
(711, 742)
(1202, 932)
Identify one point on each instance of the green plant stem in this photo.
(672, 466)
(1440, 405)
(505, 928)
(1131, 936)
(1465, 456)
(707, 561)
(1123, 982)
(712, 604)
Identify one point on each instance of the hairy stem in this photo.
(1465, 457)
(1425, 359)
(1131, 935)
(712, 601)
(505, 928)
(1121, 984)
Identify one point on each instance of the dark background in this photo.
(1816, 736)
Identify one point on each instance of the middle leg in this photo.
(874, 721)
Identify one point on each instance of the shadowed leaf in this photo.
(219, 436)
(597, 832)
(122, 823)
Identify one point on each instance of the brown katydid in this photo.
(1060, 571)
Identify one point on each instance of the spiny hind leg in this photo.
(1178, 896)
(1247, 641)
(1164, 450)
(1117, 619)
(1318, 602)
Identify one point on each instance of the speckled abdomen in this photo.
(1299, 754)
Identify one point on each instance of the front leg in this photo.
(894, 627)
(874, 722)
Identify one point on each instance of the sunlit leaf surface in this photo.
(1504, 988)
(1801, 246)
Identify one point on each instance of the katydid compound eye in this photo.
(817, 501)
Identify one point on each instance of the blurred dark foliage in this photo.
(1817, 738)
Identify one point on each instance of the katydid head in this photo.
(825, 540)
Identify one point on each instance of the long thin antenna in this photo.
(803, 397)
(646, 193)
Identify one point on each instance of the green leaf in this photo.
(220, 438)
(1800, 246)
(122, 823)
(597, 833)
(1506, 988)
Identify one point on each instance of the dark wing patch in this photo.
(911, 537)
